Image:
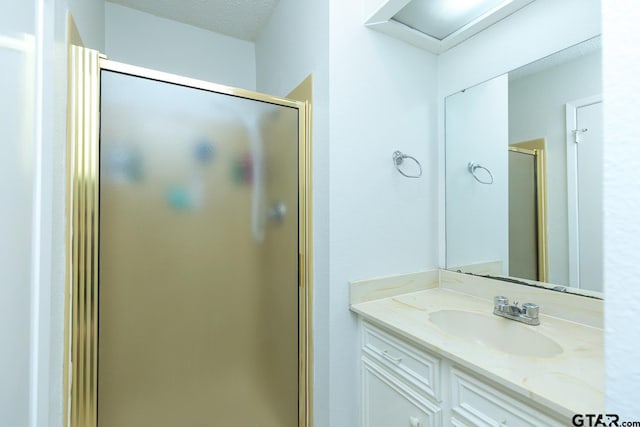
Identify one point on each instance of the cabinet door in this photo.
(387, 403)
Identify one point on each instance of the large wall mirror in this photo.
(524, 173)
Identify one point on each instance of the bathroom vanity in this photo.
(522, 155)
(437, 355)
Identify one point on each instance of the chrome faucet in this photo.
(527, 313)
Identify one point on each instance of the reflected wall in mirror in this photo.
(524, 173)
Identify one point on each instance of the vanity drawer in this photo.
(476, 403)
(387, 402)
(414, 366)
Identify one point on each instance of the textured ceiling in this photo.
(242, 19)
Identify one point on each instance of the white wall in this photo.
(149, 41)
(477, 129)
(539, 29)
(536, 110)
(32, 153)
(622, 204)
(382, 99)
(89, 16)
(294, 44)
(17, 141)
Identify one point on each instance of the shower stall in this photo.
(189, 246)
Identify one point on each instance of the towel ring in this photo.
(398, 158)
(472, 166)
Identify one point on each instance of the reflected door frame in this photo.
(82, 228)
(573, 138)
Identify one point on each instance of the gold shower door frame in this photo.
(537, 149)
(83, 186)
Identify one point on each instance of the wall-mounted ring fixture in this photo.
(473, 166)
(398, 158)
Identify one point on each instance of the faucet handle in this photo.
(531, 310)
(500, 300)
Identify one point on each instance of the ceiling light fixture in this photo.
(440, 18)
(459, 6)
(437, 25)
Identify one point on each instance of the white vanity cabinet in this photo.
(400, 384)
(405, 385)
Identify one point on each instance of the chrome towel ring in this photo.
(473, 166)
(398, 158)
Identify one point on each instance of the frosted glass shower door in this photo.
(523, 216)
(198, 311)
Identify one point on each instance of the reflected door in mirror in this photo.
(586, 245)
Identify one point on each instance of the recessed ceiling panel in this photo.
(441, 18)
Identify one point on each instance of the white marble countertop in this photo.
(569, 383)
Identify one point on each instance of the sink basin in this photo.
(496, 332)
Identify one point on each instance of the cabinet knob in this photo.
(414, 422)
(503, 423)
